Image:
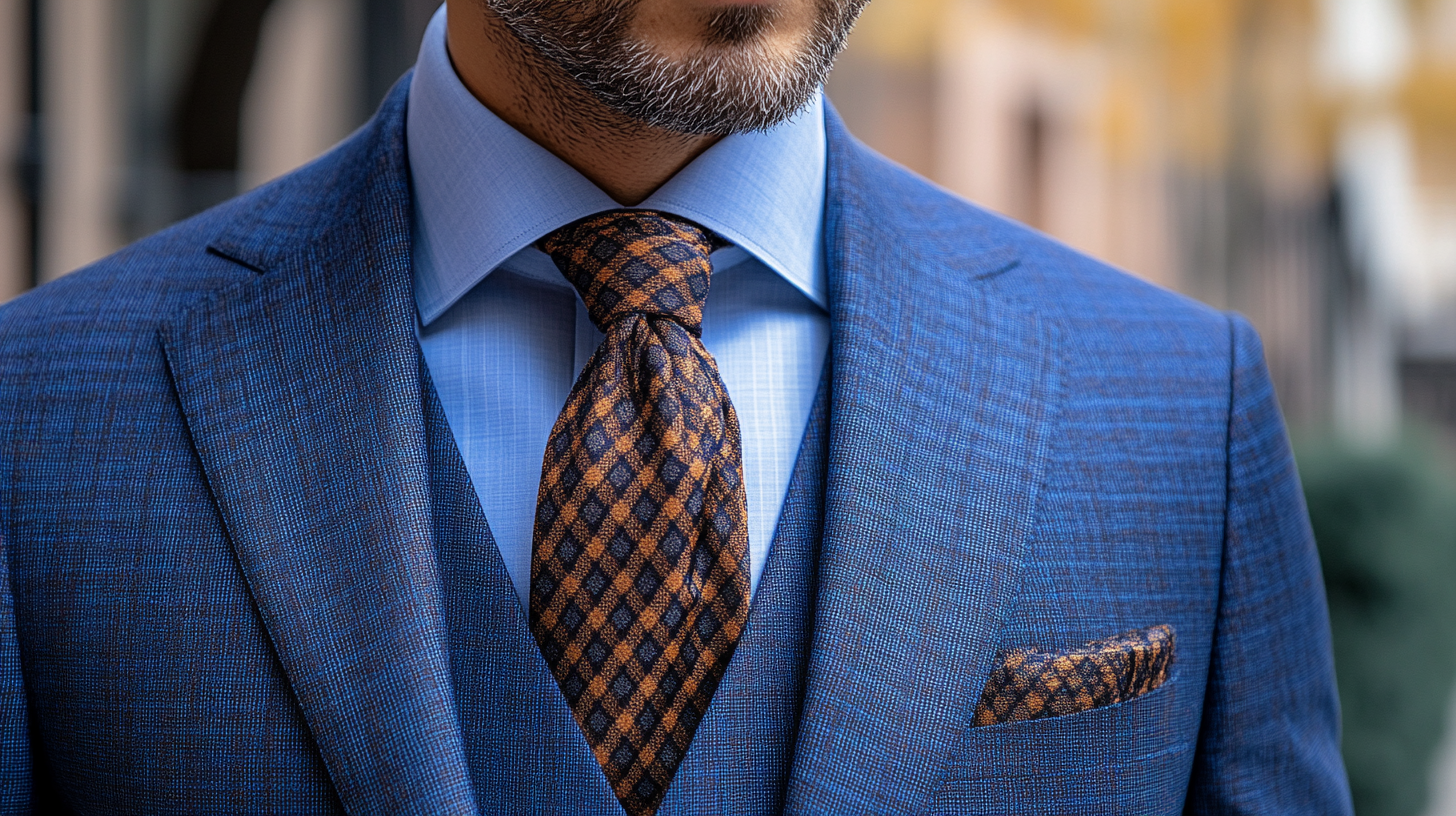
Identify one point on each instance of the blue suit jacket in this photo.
(219, 591)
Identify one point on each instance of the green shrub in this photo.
(1385, 522)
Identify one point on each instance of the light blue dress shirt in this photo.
(504, 334)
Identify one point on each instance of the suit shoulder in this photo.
(144, 283)
(940, 227)
(118, 299)
(142, 277)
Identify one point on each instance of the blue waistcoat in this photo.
(525, 751)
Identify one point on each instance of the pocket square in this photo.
(1029, 683)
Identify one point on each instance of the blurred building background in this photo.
(1294, 160)
(122, 116)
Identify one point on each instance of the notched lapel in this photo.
(301, 391)
(945, 391)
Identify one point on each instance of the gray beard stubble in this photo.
(733, 86)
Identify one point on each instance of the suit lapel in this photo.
(301, 391)
(943, 395)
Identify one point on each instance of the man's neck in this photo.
(624, 157)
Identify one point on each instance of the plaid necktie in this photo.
(639, 568)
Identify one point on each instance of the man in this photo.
(436, 477)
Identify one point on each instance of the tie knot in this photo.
(635, 262)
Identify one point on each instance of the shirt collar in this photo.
(484, 192)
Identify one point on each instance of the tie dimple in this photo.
(639, 568)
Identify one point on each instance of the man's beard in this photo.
(735, 83)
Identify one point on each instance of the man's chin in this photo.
(749, 67)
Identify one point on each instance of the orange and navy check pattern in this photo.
(1029, 684)
(639, 569)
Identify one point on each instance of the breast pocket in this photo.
(1088, 729)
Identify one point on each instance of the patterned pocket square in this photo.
(1029, 684)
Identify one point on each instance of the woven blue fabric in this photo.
(217, 524)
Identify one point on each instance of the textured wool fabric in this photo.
(15, 785)
(1030, 683)
(639, 576)
(216, 516)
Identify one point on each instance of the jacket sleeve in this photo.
(1270, 738)
(15, 773)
